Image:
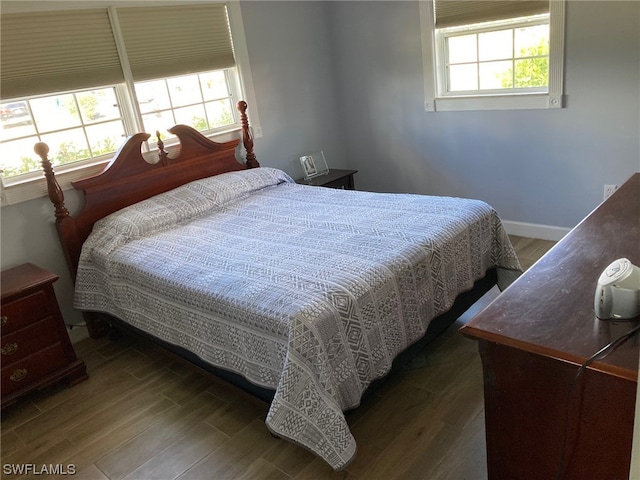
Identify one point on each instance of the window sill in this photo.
(494, 102)
(34, 185)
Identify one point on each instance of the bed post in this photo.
(247, 136)
(67, 232)
(53, 188)
(64, 222)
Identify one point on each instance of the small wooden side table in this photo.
(336, 178)
(36, 349)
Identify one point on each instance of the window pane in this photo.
(158, 121)
(496, 75)
(18, 157)
(462, 49)
(152, 96)
(55, 112)
(98, 105)
(214, 85)
(105, 138)
(532, 72)
(184, 90)
(67, 146)
(16, 120)
(193, 116)
(531, 41)
(495, 45)
(463, 77)
(219, 113)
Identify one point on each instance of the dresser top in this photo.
(549, 310)
(16, 280)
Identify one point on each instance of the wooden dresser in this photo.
(534, 337)
(36, 349)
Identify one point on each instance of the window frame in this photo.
(32, 185)
(232, 80)
(436, 99)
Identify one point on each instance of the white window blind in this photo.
(172, 40)
(44, 52)
(451, 13)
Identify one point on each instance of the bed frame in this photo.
(129, 179)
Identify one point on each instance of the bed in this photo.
(306, 295)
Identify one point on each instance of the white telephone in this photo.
(618, 291)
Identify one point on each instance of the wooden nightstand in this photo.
(336, 178)
(36, 349)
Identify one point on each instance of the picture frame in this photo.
(313, 164)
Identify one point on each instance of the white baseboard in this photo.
(532, 230)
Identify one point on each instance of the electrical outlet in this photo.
(608, 190)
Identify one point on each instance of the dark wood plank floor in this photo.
(145, 415)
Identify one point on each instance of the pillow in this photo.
(181, 204)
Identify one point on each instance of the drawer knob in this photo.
(3, 320)
(18, 375)
(9, 348)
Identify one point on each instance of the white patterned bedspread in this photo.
(305, 290)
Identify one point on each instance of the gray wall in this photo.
(541, 166)
(292, 67)
(346, 78)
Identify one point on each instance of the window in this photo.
(76, 126)
(89, 125)
(514, 57)
(492, 55)
(203, 101)
(101, 77)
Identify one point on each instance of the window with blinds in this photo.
(82, 80)
(493, 54)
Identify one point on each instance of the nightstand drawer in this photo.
(36, 350)
(23, 342)
(24, 311)
(32, 368)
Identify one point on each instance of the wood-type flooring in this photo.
(145, 415)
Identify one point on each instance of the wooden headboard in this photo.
(129, 178)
